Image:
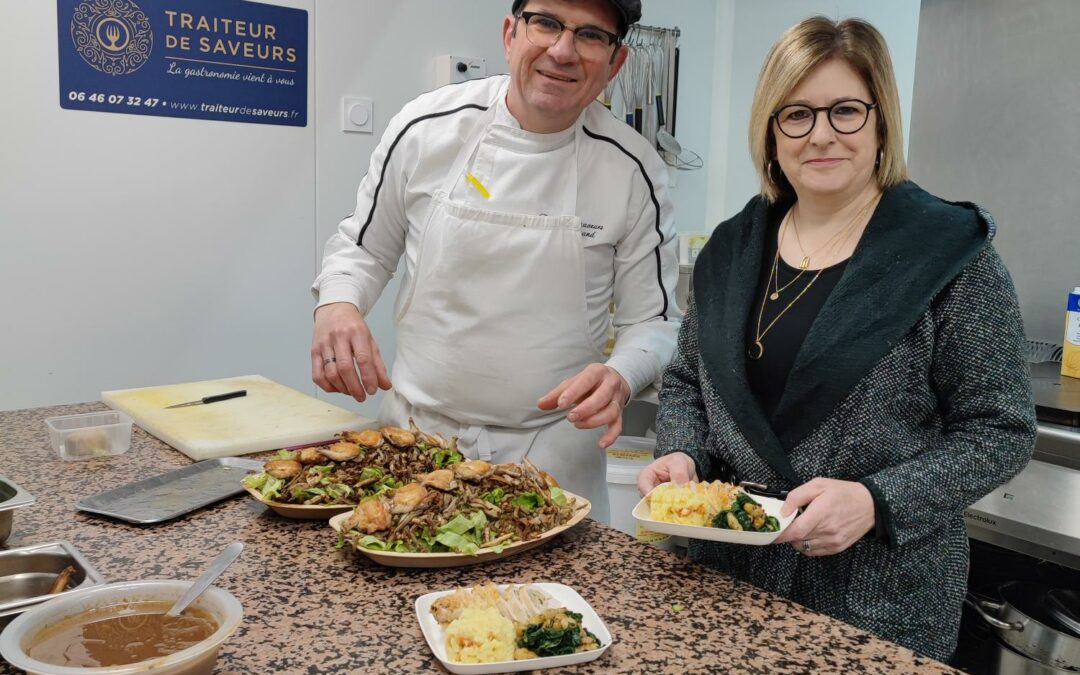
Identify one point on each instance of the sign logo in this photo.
(113, 36)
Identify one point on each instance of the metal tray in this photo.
(27, 574)
(173, 494)
(11, 497)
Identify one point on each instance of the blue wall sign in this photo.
(228, 60)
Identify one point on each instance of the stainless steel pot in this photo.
(1008, 661)
(1022, 622)
(11, 498)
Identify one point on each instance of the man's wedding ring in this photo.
(328, 360)
(806, 546)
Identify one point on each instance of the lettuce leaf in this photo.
(558, 497)
(376, 544)
(456, 542)
(373, 542)
(442, 457)
(463, 533)
(322, 469)
(371, 472)
(527, 501)
(494, 497)
(268, 486)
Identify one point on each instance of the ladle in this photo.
(224, 559)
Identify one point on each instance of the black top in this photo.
(768, 375)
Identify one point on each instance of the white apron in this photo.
(495, 317)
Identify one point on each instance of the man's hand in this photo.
(838, 513)
(597, 396)
(341, 347)
(678, 468)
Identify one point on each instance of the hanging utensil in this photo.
(657, 53)
(640, 77)
(626, 87)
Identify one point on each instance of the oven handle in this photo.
(983, 606)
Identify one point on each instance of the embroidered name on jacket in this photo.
(588, 230)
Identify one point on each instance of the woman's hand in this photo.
(837, 514)
(678, 467)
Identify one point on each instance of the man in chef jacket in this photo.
(523, 209)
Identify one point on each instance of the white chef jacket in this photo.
(628, 238)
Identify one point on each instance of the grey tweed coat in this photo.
(912, 380)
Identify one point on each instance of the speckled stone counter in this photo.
(309, 608)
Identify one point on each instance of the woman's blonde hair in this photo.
(803, 47)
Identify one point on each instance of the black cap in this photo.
(629, 12)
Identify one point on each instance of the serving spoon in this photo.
(224, 559)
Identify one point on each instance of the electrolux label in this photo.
(229, 60)
(979, 518)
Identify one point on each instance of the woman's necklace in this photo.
(831, 245)
(774, 275)
(805, 262)
(757, 349)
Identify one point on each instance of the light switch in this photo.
(357, 114)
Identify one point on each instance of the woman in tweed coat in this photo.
(883, 382)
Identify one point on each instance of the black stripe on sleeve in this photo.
(386, 161)
(656, 208)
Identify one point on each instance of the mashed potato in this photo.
(690, 504)
(480, 635)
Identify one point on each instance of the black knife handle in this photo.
(762, 490)
(225, 397)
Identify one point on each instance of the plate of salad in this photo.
(324, 480)
(471, 513)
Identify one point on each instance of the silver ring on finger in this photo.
(327, 360)
(806, 546)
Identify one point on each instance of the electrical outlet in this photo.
(357, 114)
(450, 69)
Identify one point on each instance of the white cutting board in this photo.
(271, 416)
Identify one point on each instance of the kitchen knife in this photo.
(211, 399)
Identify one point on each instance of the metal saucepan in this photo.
(1008, 661)
(1064, 606)
(1022, 622)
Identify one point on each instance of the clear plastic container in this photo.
(96, 434)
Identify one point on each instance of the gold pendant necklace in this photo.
(828, 245)
(775, 273)
(756, 350)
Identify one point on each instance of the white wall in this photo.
(141, 250)
(751, 27)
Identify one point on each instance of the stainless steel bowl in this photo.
(11, 497)
(27, 575)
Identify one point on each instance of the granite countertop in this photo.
(309, 608)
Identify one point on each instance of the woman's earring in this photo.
(775, 177)
(877, 164)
